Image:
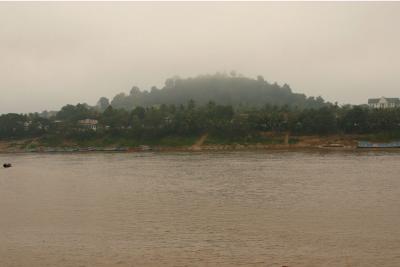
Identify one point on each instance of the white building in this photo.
(384, 102)
(88, 124)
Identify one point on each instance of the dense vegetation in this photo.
(230, 108)
(233, 90)
(182, 124)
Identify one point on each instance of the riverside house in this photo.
(384, 102)
(88, 124)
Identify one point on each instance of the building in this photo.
(27, 125)
(384, 102)
(88, 124)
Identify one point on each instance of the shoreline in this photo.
(318, 143)
(290, 149)
(214, 148)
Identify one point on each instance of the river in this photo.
(282, 208)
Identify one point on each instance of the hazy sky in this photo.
(52, 54)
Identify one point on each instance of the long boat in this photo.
(366, 144)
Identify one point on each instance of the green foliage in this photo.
(178, 125)
(52, 140)
(103, 103)
(383, 136)
(12, 125)
(223, 89)
(73, 113)
(311, 121)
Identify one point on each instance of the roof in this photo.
(88, 121)
(394, 100)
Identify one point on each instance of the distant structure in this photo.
(384, 102)
(27, 124)
(88, 124)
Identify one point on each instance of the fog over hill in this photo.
(226, 89)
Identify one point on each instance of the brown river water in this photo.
(283, 208)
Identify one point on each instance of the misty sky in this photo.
(54, 53)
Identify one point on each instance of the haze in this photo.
(52, 54)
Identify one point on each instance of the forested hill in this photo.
(220, 88)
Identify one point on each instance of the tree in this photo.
(103, 103)
(115, 118)
(12, 125)
(122, 101)
(355, 120)
(223, 89)
(134, 91)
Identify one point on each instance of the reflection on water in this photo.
(201, 209)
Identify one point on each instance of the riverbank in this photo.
(201, 144)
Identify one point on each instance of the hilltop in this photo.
(234, 90)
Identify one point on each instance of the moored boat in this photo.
(366, 144)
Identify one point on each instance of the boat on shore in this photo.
(367, 144)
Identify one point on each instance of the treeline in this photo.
(153, 123)
(234, 90)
